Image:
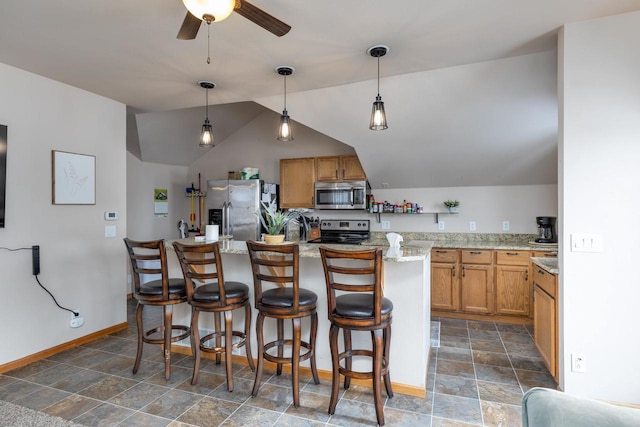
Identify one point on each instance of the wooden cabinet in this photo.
(513, 287)
(339, 168)
(545, 318)
(445, 292)
(476, 281)
(297, 179)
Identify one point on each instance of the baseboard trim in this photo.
(60, 348)
(483, 317)
(406, 389)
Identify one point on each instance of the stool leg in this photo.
(247, 334)
(195, 344)
(378, 351)
(228, 347)
(348, 358)
(139, 309)
(168, 314)
(335, 368)
(312, 342)
(280, 323)
(216, 316)
(387, 344)
(259, 325)
(295, 361)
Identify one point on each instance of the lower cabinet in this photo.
(513, 287)
(476, 282)
(445, 292)
(545, 318)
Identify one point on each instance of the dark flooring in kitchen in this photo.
(476, 377)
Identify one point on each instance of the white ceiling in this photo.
(127, 51)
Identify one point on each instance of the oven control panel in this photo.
(344, 225)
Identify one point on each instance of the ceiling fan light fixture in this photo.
(210, 10)
(206, 135)
(378, 116)
(284, 130)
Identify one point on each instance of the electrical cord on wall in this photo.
(36, 249)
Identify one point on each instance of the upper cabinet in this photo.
(339, 168)
(297, 178)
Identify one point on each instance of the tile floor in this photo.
(476, 377)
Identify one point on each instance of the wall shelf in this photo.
(436, 214)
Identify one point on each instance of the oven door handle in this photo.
(353, 196)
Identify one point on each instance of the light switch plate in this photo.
(586, 242)
(385, 225)
(109, 231)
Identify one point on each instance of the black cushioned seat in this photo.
(360, 305)
(211, 292)
(176, 286)
(283, 297)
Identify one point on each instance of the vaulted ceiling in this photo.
(468, 83)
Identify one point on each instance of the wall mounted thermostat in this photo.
(111, 216)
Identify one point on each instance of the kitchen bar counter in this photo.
(406, 283)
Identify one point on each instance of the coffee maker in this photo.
(546, 229)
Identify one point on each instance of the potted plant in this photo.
(452, 205)
(274, 221)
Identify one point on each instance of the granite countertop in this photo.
(550, 265)
(406, 253)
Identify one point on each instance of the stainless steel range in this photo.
(343, 231)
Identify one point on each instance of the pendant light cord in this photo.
(206, 108)
(285, 93)
(378, 76)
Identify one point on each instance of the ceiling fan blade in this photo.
(189, 28)
(262, 18)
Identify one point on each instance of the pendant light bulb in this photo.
(378, 116)
(206, 135)
(284, 131)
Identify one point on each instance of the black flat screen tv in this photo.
(3, 172)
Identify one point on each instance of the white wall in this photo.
(83, 269)
(142, 179)
(600, 154)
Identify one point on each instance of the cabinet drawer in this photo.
(513, 257)
(444, 255)
(545, 254)
(471, 256)
(544, 280)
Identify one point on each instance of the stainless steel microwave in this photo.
(341, 195)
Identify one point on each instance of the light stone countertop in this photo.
(406, 253)
(550, 265)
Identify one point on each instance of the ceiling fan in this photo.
(216, 10)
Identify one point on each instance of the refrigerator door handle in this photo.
(229, 219)
(224, 219)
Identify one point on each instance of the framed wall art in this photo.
(73, 178)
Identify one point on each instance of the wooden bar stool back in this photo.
(150, 258)
(356, 303)
(278, 296)
(207, 291)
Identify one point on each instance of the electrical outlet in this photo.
(578, 362)
(385, 225)
(505, 226)
(440, 225)
(76, 321)
(35, 259)
(472, 226)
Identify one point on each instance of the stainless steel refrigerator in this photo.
(232, 205)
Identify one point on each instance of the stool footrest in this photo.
(209, 349)
(159, 329)
(276, 359)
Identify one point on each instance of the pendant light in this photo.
(206, 136)
(284, 131)
(210, 10)
(378, 116)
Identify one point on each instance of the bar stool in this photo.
(356, 303)
(203, 263)
(150, 258)
(279, 265)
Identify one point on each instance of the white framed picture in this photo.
(73, 178)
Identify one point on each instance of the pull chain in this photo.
(208, 45)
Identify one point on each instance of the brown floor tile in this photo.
(500, 414)
(457, 408)
(485, 345)
(500, 393)
(455, 353)
(208, 412)
(489, 358)
(105, 414)
(456, 386)
(72, 407)
(454, 368)
(496, 374)
(251, 416)
(172, 404)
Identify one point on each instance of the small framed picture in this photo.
(73, 178)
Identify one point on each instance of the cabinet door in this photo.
(445, 293)
(328, 168)
(544, 328)
(297, 178)
(476, 286)
(513, 290)
(352, 169)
